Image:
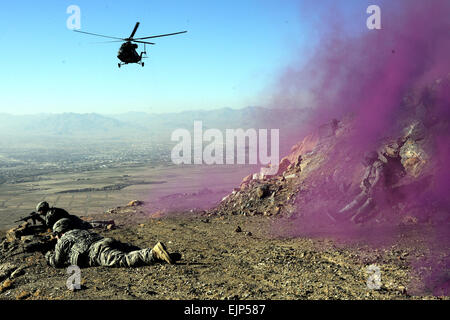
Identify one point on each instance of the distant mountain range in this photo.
(88, 124)
(58, 124)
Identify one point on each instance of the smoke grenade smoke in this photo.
(382, 80)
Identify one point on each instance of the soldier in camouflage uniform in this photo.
(361, 205)
(51, 215)
(84, 249)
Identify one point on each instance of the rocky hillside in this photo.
(324, 172)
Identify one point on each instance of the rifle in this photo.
(42, 245)
(34, 216)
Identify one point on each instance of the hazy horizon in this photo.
(129, 111)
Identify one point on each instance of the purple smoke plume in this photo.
(366, 75)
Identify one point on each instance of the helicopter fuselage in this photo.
(127, 53)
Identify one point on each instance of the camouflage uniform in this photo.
(55, 214)
(364, 200)
(84, 249)
(112, 253)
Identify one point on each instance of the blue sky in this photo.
(230, 57)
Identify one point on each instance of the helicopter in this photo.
(127, 52)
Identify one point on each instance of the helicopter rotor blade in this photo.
(99, 35)
(161, 35)
(107, 41)
(142, 41)
(134, 31)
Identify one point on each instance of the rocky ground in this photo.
(224, 257)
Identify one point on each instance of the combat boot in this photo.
(160, 253)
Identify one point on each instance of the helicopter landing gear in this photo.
(119, 65)
(143, 56)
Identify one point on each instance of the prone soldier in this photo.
(38, 237)
(52, 215)
(84, 248)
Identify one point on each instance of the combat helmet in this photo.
(42, 206)
(62, 225)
